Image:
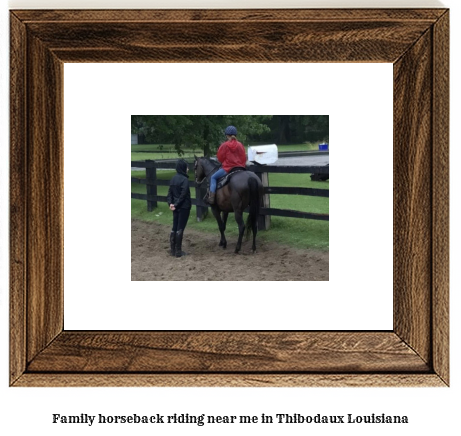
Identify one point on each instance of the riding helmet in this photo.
(231, 130)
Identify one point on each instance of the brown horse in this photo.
(244, 190)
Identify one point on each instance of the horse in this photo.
(243, 190)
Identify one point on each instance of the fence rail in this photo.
(310, 169)
(151, 181)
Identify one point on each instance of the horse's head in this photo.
(204, 167)
(199, 170)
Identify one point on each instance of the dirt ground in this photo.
(150, 258)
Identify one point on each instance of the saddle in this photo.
(223, 181)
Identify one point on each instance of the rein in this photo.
(213, 170)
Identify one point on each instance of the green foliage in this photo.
(289, 129)
(206, 132)
(203, 132)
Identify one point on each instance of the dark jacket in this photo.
(179, 192)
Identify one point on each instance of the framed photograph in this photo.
(414, 353)
(252, 170)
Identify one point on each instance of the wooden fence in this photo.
(151, 181)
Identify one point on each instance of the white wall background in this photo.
(99, 293)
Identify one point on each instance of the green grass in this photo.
(158, 156)
(298, 202)
(308, 146)
(295, 232)
(153, 147)
(165, 151)
(169, 152)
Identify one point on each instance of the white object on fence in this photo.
(263, 154)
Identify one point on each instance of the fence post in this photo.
(264, 221)
(151, 185)
(201, 211)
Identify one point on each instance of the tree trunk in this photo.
(284, 129)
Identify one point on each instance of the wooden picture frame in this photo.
(414, 353)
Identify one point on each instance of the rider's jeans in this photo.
(214, 178)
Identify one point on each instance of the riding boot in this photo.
(178, 244)
(211, 198)
(172, 243)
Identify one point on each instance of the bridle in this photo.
(213, 170)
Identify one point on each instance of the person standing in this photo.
(231, 154)
(180, 204)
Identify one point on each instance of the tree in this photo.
(296, 129)
(317, 128)
(205, 132)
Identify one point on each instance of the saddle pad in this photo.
(223, 181)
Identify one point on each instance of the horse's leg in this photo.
(223, 242)
(221, 226)
(239, 218)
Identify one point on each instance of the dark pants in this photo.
(180, 217)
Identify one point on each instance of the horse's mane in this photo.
(213, 162)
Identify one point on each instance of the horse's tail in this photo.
(254, 206)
